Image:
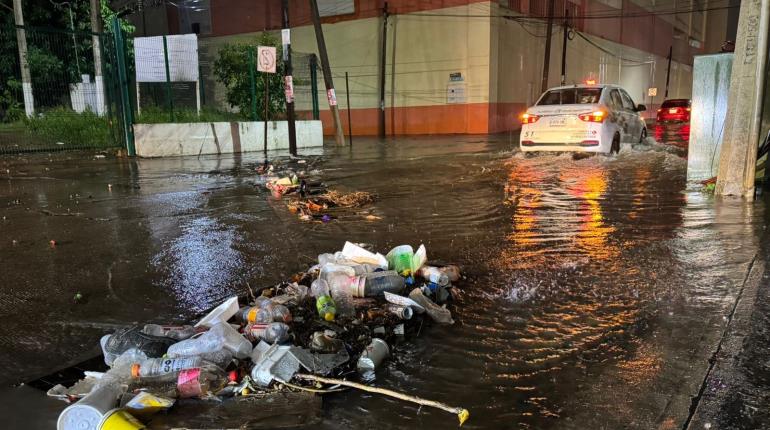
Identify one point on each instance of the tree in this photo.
(232, 70)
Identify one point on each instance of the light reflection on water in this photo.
(592, 283)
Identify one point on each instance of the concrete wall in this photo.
(164, 140)
(711, 77)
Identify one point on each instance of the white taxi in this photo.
(584, 118)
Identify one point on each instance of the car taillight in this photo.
(529, 118)
(598, 116)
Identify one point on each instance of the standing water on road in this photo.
(597, 288)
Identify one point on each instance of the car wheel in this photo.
(643, 135)
(615, 148)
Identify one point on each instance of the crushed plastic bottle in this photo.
(276, 332)
(125, 339)
(173, 332)
(434, 275)
(221, 335)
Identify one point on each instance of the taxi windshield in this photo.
(571, 96)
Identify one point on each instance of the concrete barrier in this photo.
(199, 138)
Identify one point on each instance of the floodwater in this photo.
(596, 288)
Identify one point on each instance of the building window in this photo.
(336, 7)
(194, 16)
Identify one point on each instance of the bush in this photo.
(75, 129)
(232, 71)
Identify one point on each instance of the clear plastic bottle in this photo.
(221, 335)
(173, 332)
(185, 383)
(248, 314)
(276, 332)
(324, 303)
(377, 283)
(281, 314)
(434, 275)
(342, 290)
(330, 270)
(162, 366)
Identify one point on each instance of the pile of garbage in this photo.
(323, 330)
(310, 199)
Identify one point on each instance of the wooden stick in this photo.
(462, 414)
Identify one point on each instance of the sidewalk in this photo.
(736, 390)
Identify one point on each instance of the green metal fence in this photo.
(228, 86)
(67, 100)
(83, 90)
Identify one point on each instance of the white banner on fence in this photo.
(182, 58)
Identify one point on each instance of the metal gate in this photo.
(64, 99)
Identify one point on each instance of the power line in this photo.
(598, 16)
(597, 46)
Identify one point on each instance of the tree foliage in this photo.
(232, 70)
(59, 50)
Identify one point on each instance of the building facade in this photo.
(468, 66)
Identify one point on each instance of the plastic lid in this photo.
(329, 316)
(135, 370)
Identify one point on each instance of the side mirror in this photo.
(641, 108)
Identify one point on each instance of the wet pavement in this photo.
(598, 288)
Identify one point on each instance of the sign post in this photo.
(266, 64)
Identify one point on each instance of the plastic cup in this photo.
(373, 355)
(119, 419)
(87, 413)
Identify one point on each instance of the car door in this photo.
(620, 114)
(634, 120)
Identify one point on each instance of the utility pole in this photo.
(288, 80)
(96, 29)
(564, 48)
(668, 70)
(547, 57)
(339, 136)
(26, 77)
(382, 68)
(738, 158)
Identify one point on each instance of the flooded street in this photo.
(597, 288)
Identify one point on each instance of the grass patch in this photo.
(71, 128)
(158, 115)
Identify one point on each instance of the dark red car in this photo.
(674, 110)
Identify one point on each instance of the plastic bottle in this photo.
(330, 270)
(324, 303)
(375, 284)
(281, 314)
(434, 275)
(248, 314)
(162, 366)
(221, 335)
(342, 290)
(173, 332)
(276, 332)
(125, 339)
(192, 382)
(400, 259)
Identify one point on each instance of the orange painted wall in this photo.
(473, 118)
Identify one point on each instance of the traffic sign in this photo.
(266, 59)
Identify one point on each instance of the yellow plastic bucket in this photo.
(119, 419)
